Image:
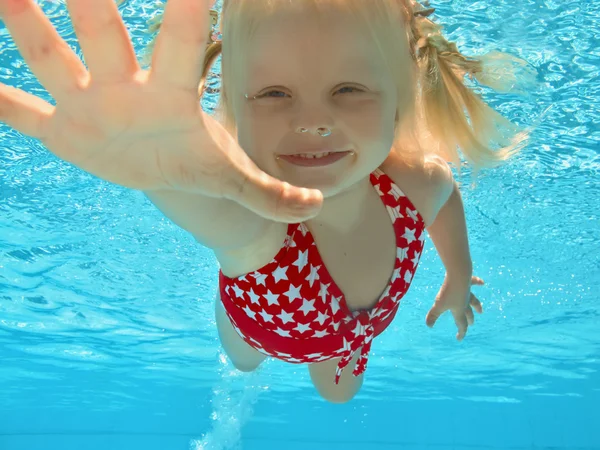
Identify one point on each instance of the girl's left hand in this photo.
(458, 298)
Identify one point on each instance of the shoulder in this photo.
(428, 182)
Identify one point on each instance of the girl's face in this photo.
(302, 71)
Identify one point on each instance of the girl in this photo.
(358, 102)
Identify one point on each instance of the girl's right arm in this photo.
(144, 129)
(219, 224)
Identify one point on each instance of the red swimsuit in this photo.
(291, 308)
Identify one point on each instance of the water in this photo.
(107, 334)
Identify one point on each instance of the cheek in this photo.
(371, 122)
(258, 136)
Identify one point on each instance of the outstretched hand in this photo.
(136, 128)
(457, 298)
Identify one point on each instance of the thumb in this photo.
(269, 197)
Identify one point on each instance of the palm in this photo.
(140, 129)
(143, 130)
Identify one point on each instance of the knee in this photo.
(338, 398)
(245, 366)
(338, 394)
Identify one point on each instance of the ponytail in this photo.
(452, 114)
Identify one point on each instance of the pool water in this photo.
(107, 333)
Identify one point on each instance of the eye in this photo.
(349, 90)
(272, 94)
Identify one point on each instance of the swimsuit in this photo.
(291, 309)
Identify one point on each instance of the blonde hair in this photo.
(447, 114)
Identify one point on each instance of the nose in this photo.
(314, 121)
(321, 131)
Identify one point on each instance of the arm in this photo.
(449, 232)
(218, 224)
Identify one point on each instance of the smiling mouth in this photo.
(313, 155)
(315, 159)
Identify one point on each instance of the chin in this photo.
(330, 183)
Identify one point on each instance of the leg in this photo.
(323, 374)
(243, 357)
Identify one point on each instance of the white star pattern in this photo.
(380, 312)
(293, 293)
(307, 306)
(409, 235)
(280, 274)
(322, 317)
(412, 214)
(402, 253)
(249, 312)
(302, 260)
(286, 317)
(260, 278)
(239, 293)
(302, 327)
(272, 299)
(359, 329)
(253, 297)
(314, 275)
(323, 291)
(266, 298)
(335, 304)
(385, 314)
(386, 291)
(415, 259)
(396, 192)
(282, 333)
(303, 229)
(266, 316)
(346, 347)
(395, 213)
(255, 342)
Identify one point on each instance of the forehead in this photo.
(299, 40)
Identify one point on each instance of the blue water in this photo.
(107, 334)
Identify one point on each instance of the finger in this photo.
(24, 112)
(104, 41)
(460, 319)
(432, 316)
(475, 303)
(49, 57)
(181, 43)
(274, 199)
(476, 281)
(470, 316)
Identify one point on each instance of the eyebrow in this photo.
(359, 66)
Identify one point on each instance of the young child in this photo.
(317, 182)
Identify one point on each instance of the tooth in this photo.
(313, 155)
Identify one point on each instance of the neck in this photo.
(345, 211)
